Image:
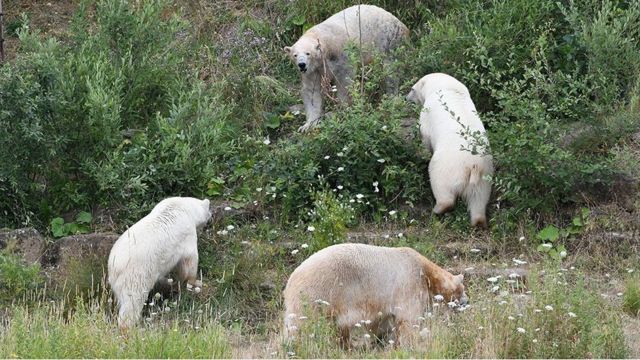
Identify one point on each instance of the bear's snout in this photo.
(302, 66)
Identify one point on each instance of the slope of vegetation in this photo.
(136, 101)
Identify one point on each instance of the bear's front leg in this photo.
(312, 99)
(188, 271)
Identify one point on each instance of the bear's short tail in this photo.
(475, 175)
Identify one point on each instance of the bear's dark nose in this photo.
(302, 66)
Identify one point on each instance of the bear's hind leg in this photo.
(130, 309)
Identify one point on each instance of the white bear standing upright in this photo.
(320, 55)
(161, 241)
(450, 127)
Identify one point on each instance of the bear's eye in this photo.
(295, 55)
(308, 54)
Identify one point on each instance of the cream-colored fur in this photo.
(161, 241)
(355, 282)
(320, 52)
(453, 170)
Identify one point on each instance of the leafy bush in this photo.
(537, 71)
(115, 117)
(17, 279)
(631, 297)
(359, 150)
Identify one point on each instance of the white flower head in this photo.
(521, 330)
(367, 336)
(392, 212)
(547, 245)
(381, 161)
(452, 304)
(230, 227)
(339, 187)
(327, 157)
(521, 238)
(563, 254)
(572, 314)
(295, 251)
(359, 196)
(475, 250)
(340, 154)
(304, 246)
(266, 141)
(492, 279)
(548, 307)
(375, 183)
(227, 208)
(311, 228)
(438, 298)
(341, 168)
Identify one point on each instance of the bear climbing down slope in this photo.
(451, 129)
(388, 288)
(161, 241)
(320, 55)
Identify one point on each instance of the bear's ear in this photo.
(205, 202)
(318, 46)
(458, 279)
(287, 49)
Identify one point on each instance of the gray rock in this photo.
(26, 242)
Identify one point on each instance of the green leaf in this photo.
(272, 122)
(84, 217)
(298, 20)
(554, 254)
(57, 227)
(549, 233)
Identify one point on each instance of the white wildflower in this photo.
(197, 290)
(452, 304)
(266, 141)
(535, 341)
(357, 325)
(492, 279)
(340, 187)
(548, 307)
(367, 336)
(258, 189)
(304, 246)
(619, 294)
(227, 208)
(511, 318)
(341, 168)
(547, 245)
(391, 342)
(359, 196)
(572, 314)
(521, 238)
(392, 212)
(400, 235)
(311, 228)
(438, 298)
(327, 157)
(518, 261)
(384, 127)
(381, 161)
(230, 227)
(537, 311)
(475, 250)
(563, 254)
(521, 330)
(340, 154)
(295, 251)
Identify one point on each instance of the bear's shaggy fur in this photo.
(386, 287)
(320, 53)
(450, 128)
(161, 241)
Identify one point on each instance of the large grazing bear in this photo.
(320, 54)
(161, 241)
(380, 288)
(451, 129)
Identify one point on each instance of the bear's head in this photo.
(451, 288)
(203, 213)
(432, 83)
(306, 54)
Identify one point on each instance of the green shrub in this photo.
(115, 117)
(358, 150)
(631, 297)
(17, 279)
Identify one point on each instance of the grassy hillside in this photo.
(107, 107)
